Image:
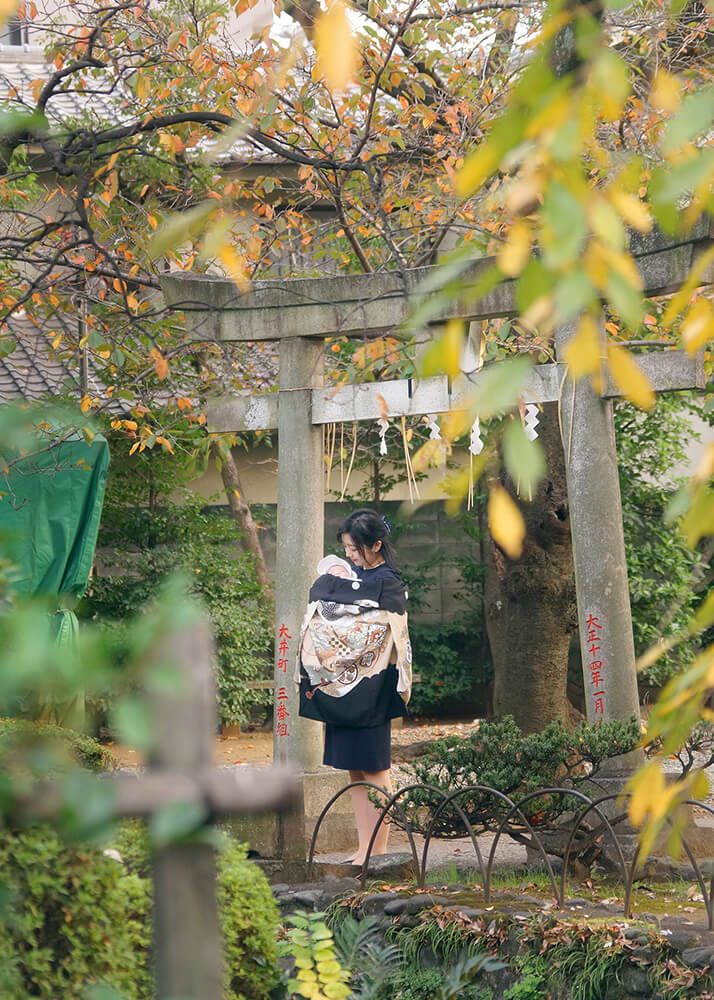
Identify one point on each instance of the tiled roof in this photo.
(17, 80)
(32, 371)
(19, 74)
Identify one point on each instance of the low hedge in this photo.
(76, 917)
(77, 748)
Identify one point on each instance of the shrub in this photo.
(500, 756)
(66, 923)
(249, 916)
(77, 747)
(76, 917)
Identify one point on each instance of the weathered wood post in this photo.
(187, 932)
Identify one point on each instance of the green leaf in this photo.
(176, 821)
(565, 226)
(535, 281)
(625, 299)
(574, 294)
(132, 722)
(693, 118)
(671, 182)
(499, 386)
(181, 227)
(524, 459)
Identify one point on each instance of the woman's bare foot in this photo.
(359, 860)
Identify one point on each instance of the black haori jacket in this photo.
(354, 660)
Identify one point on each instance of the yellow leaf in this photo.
(336, 46)
(85, 403)
(677, 303)
(477, 167)
(632, 210)
(513, 256)
(134, 447)
(432, 453)
(629, 377)
(57, 341)
(666, 92)
(7, 9)
(444, 353)
(235, 267)
(455, 423)
(698, 326)
(132, 302)
(583, 353)
(505, 522)
(647, 788)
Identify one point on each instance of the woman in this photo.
(355, 665)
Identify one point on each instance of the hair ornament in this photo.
(387, 525)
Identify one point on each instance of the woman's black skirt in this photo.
(367, 749)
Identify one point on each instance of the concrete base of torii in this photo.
(275, 836)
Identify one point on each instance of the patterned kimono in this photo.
(354, 661)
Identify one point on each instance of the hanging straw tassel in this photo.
(352, 461)
(331, 435)
(411, 478)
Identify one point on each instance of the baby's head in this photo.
(336, 567)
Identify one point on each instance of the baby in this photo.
(336, 567)
(331, 609)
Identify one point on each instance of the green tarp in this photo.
(50, 509)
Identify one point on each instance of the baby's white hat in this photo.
(326, 563)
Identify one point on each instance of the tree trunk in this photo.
(242, 515)
(530, 602)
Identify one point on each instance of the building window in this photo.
(14, 32)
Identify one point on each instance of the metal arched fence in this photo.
(628, 872)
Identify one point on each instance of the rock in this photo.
(306, 897)
(413, 904)
(636, 981)
(376, 901)
(681, 938)
(468, 911)
(699, 958)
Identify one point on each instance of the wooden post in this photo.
(300, 540)
(187, 932)
(604, 616)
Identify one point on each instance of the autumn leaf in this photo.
(513, 256)
(629, 377)
(505, 522)
(165, 443)
(7, 9)
(336, 46)
(444, 353)
(583, 352)
(698, 326)
(633, 211)
(235, 267)
(161, 365)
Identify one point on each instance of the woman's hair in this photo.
(366, 527)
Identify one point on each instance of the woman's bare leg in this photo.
(368, 814)
(359, 797)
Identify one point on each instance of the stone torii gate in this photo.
(299, 314)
